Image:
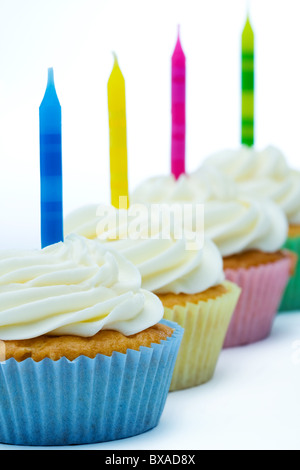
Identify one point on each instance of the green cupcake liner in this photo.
(291, 298)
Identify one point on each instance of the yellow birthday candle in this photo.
(117, 138)
(247, 124)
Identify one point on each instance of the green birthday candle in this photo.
(247, 129)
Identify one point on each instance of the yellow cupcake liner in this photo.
(205, 326)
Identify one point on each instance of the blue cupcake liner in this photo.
(86, 400)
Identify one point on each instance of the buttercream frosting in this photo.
(236, 222)
(169, 262)
(261, 174)
(73, 288)
(209, 184)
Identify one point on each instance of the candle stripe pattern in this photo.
(247, 59)
(178, 111)
(51, 166)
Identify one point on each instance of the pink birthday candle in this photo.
(178, 111)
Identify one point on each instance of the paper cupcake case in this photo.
(205, 325)
(86, 400)
(291, 297)
(262, 290)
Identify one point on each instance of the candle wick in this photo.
(50, 76)
(248, 9)
(115, 57)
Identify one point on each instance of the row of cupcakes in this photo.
(90, 331)
(248, 232)
(89, 357)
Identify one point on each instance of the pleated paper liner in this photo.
(86, 400)
(205, 325)
(291, 297)
(262, 290)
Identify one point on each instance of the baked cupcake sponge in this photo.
(104, 342)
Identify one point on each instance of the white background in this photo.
(77, 38)
(257, 402)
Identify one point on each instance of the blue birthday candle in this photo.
(51, 166)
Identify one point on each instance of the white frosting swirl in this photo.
(263, 174)
(244, 224)
(165, 262)
(207, 185)
(72, 288)
(235, 222)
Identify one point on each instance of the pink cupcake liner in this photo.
(262, 290)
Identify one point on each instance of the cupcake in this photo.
(188, 279)
(85, 355)
(249, 234)
(266, 174)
